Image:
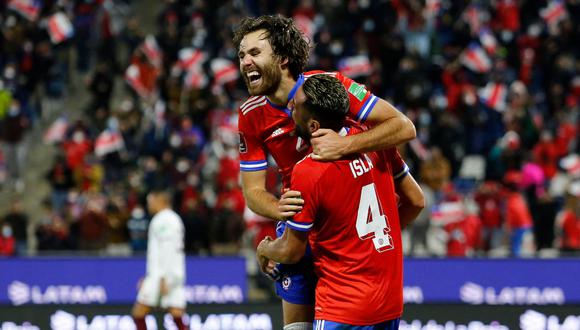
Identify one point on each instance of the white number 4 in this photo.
(370, 222)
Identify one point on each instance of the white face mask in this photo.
(6, 231)
(78, 137)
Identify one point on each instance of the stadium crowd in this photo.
(493, 88)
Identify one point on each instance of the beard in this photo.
(271, 75)
(303, 133)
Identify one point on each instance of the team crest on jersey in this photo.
(243, 145)
(286, 282)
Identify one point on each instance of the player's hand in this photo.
(327, 145)
(289, 204)
(266, 265)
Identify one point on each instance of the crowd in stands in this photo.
(493, 87)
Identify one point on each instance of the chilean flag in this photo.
(133, 78)
(108, 142)
(488, 40)
(494, 96)
(56, 132)
(224, 71)
(554, 13)
(447, 212)
(59, 28)
(152, 51)
(355, 66)
(571, 164)
(196, 78)
(29, 9)
(190, 58)
(475, 58)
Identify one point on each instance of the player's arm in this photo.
(264, 203)
(390, 128)
(287, 249)
(412, 201)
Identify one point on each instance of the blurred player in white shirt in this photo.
(163, 285)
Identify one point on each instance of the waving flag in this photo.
(554, 12)
(134, 79)
(29, 9)
(447, 212)
(494, 96)
(224, 71)
(108, 142)
(488, 40)
(196, 78)
(59, 28)
(56, 132)
(475, 59)
(355, 66)
(152, 51)
(190, 58)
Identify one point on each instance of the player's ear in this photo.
(284, 62)
(313, 125)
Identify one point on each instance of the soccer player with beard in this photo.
(273, 54)
(354, 232)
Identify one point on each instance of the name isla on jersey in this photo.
(360, 166)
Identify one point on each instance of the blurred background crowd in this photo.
(110, 106)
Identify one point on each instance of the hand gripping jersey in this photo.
(351, 212)
(266, 128)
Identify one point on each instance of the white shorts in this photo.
(149, 295)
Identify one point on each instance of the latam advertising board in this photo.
(492, 281)
(42, 281)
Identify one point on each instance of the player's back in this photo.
(355, 239)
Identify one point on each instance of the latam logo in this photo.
(21, 293)
(62, 320)
(476, 294)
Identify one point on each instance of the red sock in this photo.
(179, 323)
(140, 323)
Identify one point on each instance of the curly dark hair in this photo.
(326, 99)
(287, 41)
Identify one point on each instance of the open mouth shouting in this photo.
(254, 78)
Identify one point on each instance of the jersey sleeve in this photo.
(252, 154)
(304, 182)
(361, 100)
(400, 168)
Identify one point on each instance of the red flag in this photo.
(152, 51)
(107, 142)
(554, 12)
(355, 66)
(475, 59)
(59, 28)
(488, 40)
(134, 79)
(56, 132)
(494, 96)
(29, 9)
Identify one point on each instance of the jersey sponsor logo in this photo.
(277, 132)
(357, 90)
(243, 144)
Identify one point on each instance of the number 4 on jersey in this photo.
(370, 223)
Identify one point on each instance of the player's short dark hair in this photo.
(287, 41)
(326, 99)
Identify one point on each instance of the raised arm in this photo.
(390, 128)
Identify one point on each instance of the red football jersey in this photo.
(351, 212)
(266, 128)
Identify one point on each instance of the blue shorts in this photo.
(296, 283)
(329, 325)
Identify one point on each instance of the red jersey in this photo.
(351, 212)
(266, 128)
